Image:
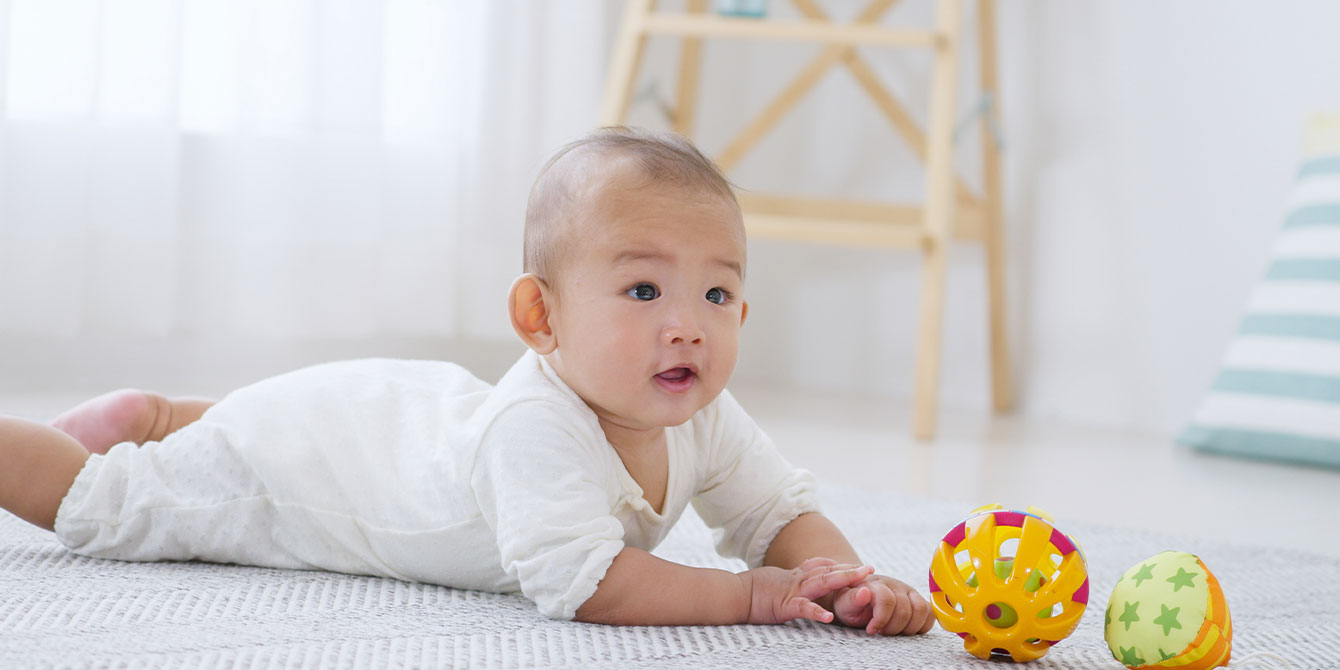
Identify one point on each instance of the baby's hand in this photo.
(778, 596)
(884, 605)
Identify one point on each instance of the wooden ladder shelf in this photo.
(951, 210)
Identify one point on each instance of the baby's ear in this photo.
(529, 304)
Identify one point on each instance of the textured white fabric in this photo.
(419, 471)
(60, 610)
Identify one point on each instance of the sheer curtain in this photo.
(281, 169)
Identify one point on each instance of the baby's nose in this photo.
(682, 334)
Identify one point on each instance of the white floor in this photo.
(1070, 471)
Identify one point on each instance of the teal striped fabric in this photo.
(1317, 215)
(1278, 393)
(1319, 166)
(1292, 325)
(1305, 269)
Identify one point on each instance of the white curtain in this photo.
(281, 169)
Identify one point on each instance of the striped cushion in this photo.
(1278, 394)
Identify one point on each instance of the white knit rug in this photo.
(60, 610)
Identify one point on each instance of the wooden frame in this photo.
(951, 211)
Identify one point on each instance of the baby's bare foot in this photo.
(110, 419)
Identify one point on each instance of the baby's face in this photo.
(650, 305)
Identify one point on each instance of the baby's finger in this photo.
(923, 609)
(808, 609)
(901, 616)
(832, 579)
(852, 606)
(816, 572)
(816, 562)
(862, 597)
(882, 608)
(855, 575)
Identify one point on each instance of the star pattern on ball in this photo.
(1130, 616)
(1131, 657)
(1182, 578)
(1168, 619)
(1146, 572)
(1168, 624)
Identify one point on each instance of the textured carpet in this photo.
(61, 610)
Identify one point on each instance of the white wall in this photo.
(1150, 147)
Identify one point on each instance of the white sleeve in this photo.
(541, 489)
(750, 492)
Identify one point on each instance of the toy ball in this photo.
(1168, 611)
(1008, 583)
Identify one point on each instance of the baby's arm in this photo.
(879, 604)
(641, 589)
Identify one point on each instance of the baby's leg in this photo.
(128, 415)
(40, 464)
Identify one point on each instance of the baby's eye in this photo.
(719, 296)
(644, 292)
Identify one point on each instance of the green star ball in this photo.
(1157, 608)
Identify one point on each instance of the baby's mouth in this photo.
(677, 380)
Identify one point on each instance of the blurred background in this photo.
(198, 193)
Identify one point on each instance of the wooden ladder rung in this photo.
(706, 25)
(848, 222)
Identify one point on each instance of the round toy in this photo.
(1008, 583)
(1168, 611)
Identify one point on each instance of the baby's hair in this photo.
(662, 157)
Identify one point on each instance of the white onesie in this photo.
(417, 470)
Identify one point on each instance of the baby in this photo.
(557, 482)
